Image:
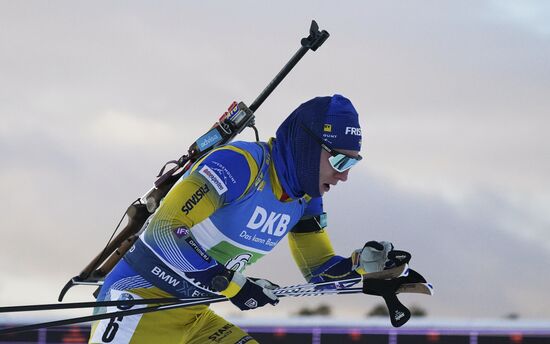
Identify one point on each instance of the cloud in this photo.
(125, 131)
(532, 15)
(453, 99)
(465, 251)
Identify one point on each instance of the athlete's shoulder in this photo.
(256, 150)
(231, 168)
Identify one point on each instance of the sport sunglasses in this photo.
(339, 161)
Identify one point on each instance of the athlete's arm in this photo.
(313, 253)
(309, 241)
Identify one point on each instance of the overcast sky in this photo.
(454, 103)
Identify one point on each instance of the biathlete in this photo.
(229, 210)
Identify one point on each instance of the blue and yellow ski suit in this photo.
(226, 212)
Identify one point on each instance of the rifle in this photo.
(230, 124)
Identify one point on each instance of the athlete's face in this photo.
(329, 176)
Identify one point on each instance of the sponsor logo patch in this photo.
(251, 303)
(223, 172)
(195, 199)
(163, 275)
(209, 139)
(329, 136)
(181, 232)
(353, 131)
(198, 249)
(398, 315)
(213, 178)
(221, 333)
(327, 128)
(273, 223)
(125, 297)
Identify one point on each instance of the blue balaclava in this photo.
(297, 155)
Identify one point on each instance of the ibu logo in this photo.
(273, 223)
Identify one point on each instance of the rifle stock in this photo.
(137, 215)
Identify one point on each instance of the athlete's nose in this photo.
(343, 176)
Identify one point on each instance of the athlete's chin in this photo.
(324, 188)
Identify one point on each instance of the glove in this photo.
(249, 293)
(372, 257)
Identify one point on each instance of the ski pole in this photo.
(297, 290)
(202, 301)
(127, 303)
(411, 287)
(339, 284)
(410, 283)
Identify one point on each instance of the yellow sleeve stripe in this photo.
(231, 290)
(310, 250)
(172, 214)
(236, 284)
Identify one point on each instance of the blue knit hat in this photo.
(341, 128)
(297, 154)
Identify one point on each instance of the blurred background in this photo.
(454, 101)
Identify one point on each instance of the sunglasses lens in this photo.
(342, 162)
